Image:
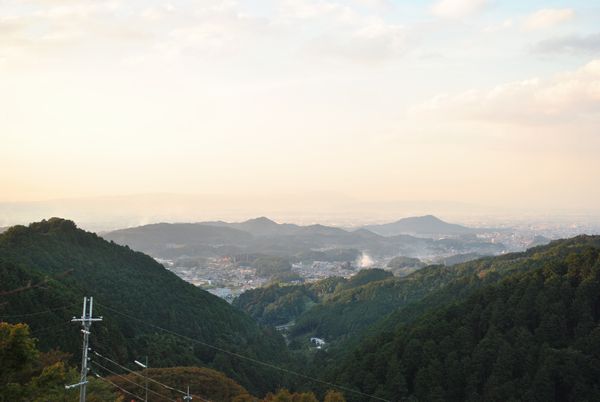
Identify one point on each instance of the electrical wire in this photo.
(132, 382)
(234, 354)
(116, 386)
(38, 312)
(250, 359)
(148, 378)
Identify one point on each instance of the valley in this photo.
(221, 257)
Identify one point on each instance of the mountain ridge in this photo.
(421, 225)
(264, 236)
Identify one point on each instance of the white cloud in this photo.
(456, 9)
(569, 44)
(504, 25)
(132, 31)
(65, 23)
(382, 5)
(566, 97)
(548, 18)
(341, 31)
(319, 9)
(368, 44)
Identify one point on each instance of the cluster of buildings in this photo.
(226, 279)
(317, 270)
(219, 276)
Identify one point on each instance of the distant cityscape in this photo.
(226, 278)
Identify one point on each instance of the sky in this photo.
(477, 102)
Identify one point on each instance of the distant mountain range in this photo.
(264, 236)
(262, 227)
(422, 225)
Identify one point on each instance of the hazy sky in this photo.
(478, 101)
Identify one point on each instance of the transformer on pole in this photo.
(187, 397)
(86, 322)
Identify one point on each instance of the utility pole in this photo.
(144, 366)
(187, 397)
(86, 322)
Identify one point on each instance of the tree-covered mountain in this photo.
(534, 335)
(277, 304)
(47, 267)
(338, 309)
(402, 266)
(261, 226)
(459, 258)
(168, 240)
(264, 236)
(344, 312)
(421, 225)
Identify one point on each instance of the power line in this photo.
(86, 320)
(137, 373)
(250, 359)
(132, 382)
(38, 312)
(146, 377)
(116, 386)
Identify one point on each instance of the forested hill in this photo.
(533, 336)
(47, 268)
(334, 310)
(421, 225)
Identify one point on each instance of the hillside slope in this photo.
(57, 264)
(533, 336)
(421, 225)
(347, 312)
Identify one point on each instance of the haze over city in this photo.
(299, 109)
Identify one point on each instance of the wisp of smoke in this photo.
(365, 261)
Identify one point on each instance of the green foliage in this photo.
(268, 266)
(72, 263)
(532, 336)
(28, 375)
(277, 305)
(351, 312)
(404, 262)
(402, 266)
(366, 276)
(17, 352)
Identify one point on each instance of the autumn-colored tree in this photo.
(334, 396)
(283, 395)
